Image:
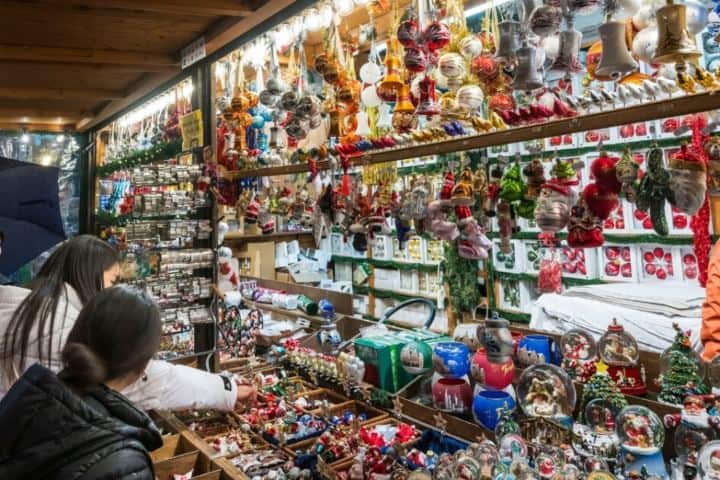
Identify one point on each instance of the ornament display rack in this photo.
(185, 234)
(669, 107)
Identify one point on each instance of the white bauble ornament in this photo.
(470, 47)
(626, 9)
(370, 97)
(470, 97)
(551, 45)
(452, 65)
(645, 43)
(370, 73)
(696, 16)
(644, 17)
(547, 100)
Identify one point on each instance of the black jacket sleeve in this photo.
(125, 464)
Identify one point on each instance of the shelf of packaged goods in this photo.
(669, 107)
(237, 237)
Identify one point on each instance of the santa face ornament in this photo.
(553, 207)
(688, 189)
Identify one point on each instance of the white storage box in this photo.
(618, 263)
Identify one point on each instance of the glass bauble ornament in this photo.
(414, 60)
(545, 20)
(583, 7)
(501, 102)
(551, 46)
(470, 97)
(370, 73)
(644, 17)
(545, 390)
(696, 16)
(408, 33)
(370, 97)
(436, 36)
(452, 65)
(470, 47)
(485, 67)
(645, 43)
(626, 9)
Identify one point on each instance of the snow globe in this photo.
(682, 371)
(619, 350)
(694, 427)
(512, 447)
(641, 436)
(709, 461)
(597, 437)
(568, 471)
(579, 353)
(546, 465)
(545, 390)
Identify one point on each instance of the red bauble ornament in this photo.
(436, 36)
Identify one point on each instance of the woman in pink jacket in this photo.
(35, 323)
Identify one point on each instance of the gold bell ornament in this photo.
(615, 59)
(675, 45)
(392, 80)
(403, 103)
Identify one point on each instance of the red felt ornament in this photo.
(600, 202)
(603, 169)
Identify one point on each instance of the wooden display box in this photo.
(201, 466)
(333, 398)
(173, 445)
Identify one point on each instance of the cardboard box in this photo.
(382, 361)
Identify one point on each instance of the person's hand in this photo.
(246, 395)
(239, 380)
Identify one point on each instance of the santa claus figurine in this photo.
(557, 196)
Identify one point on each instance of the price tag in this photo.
(192, 129)
(193, 52)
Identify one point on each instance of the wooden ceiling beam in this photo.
(60, 93)
(89, 68)
(34, 112)
(36, 127)
(200, 8)
(79, 55)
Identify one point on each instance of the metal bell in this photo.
(675, 44)
(567, 59)
(509, 40)
(529, 70)
(392, 80)
(403, 103)
(615, 60)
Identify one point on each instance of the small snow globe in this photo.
(641, 434)
(546, 465)
(512, 447)
(709, 461)
(600, 475)
(579, 353)
(545, 390)
(597, 437)
(617, 347)
(568, 472)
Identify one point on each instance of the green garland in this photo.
(461, 276)
(627, 238)
(387, 264)
(615, 147)
(516, 317)
(159, 151)
(360, 289)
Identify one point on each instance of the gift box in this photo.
(508, 262)
(382, 361)
(618, 263)
(687, 264)
(561, 142)
(360, 304)
(434, 252)
(593, 137)
(666, 127)
(658, 262)
(409, 281)
(679, 223)
(533, 253)
(381, 247)
(578, 262)
(619, 221)
(641, 221)
(633, 132)
(508, 295)
(343, 271)
(387, 279)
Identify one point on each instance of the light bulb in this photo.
(60, 138)
(296, 27)
(187, 90)
(282, 35)
(25, 138)
(313, 21)
(326, 15)
(220, 70)
(344, 7)
(46, 160)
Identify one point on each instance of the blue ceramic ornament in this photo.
(451, 359)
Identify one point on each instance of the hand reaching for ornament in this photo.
(246, 393)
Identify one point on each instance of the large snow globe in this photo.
(545, 390)
(642, 435)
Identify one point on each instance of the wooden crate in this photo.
(201, 466)
(173, 445)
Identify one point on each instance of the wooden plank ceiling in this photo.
(69, 64)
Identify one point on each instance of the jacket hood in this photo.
(45, 425)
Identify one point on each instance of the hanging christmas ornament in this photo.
(644, 45)
(545, 20)
(436, 36)
(470, 47)
(615, 59)
(392, 81)
(428, 105)
(551, 45)
(568, 57)
(557, 197)
(688, 180)
(370, 97)
(626, 171)
(470, 97)
(509, 41)
(675, 44)
(529, 70)
(653, 190)
(643, 18)
(415, 60)
(452, 66)
(408, 32)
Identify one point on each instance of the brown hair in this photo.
(116, 334)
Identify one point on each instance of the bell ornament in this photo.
(675, 44)
(615, 60)
(509, 40)
(567, 59)
(404, 104)
(529, 71)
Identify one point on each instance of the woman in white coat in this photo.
(34, 325)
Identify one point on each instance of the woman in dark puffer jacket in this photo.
(75, 425)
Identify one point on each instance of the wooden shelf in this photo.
(632, 114)
(236, 237)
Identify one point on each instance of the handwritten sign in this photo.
(191, 126)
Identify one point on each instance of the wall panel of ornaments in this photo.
(331, 85)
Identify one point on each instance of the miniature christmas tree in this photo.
(600, 385)
(682, 375)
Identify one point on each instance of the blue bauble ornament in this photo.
(258, 121)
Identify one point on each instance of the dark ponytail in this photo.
(79, 262)
(116, 334)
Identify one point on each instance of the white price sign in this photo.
(193, 52)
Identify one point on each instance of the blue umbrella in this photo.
(29, 212)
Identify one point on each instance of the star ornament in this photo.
(601, 367)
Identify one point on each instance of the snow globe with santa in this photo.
(641, 434)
